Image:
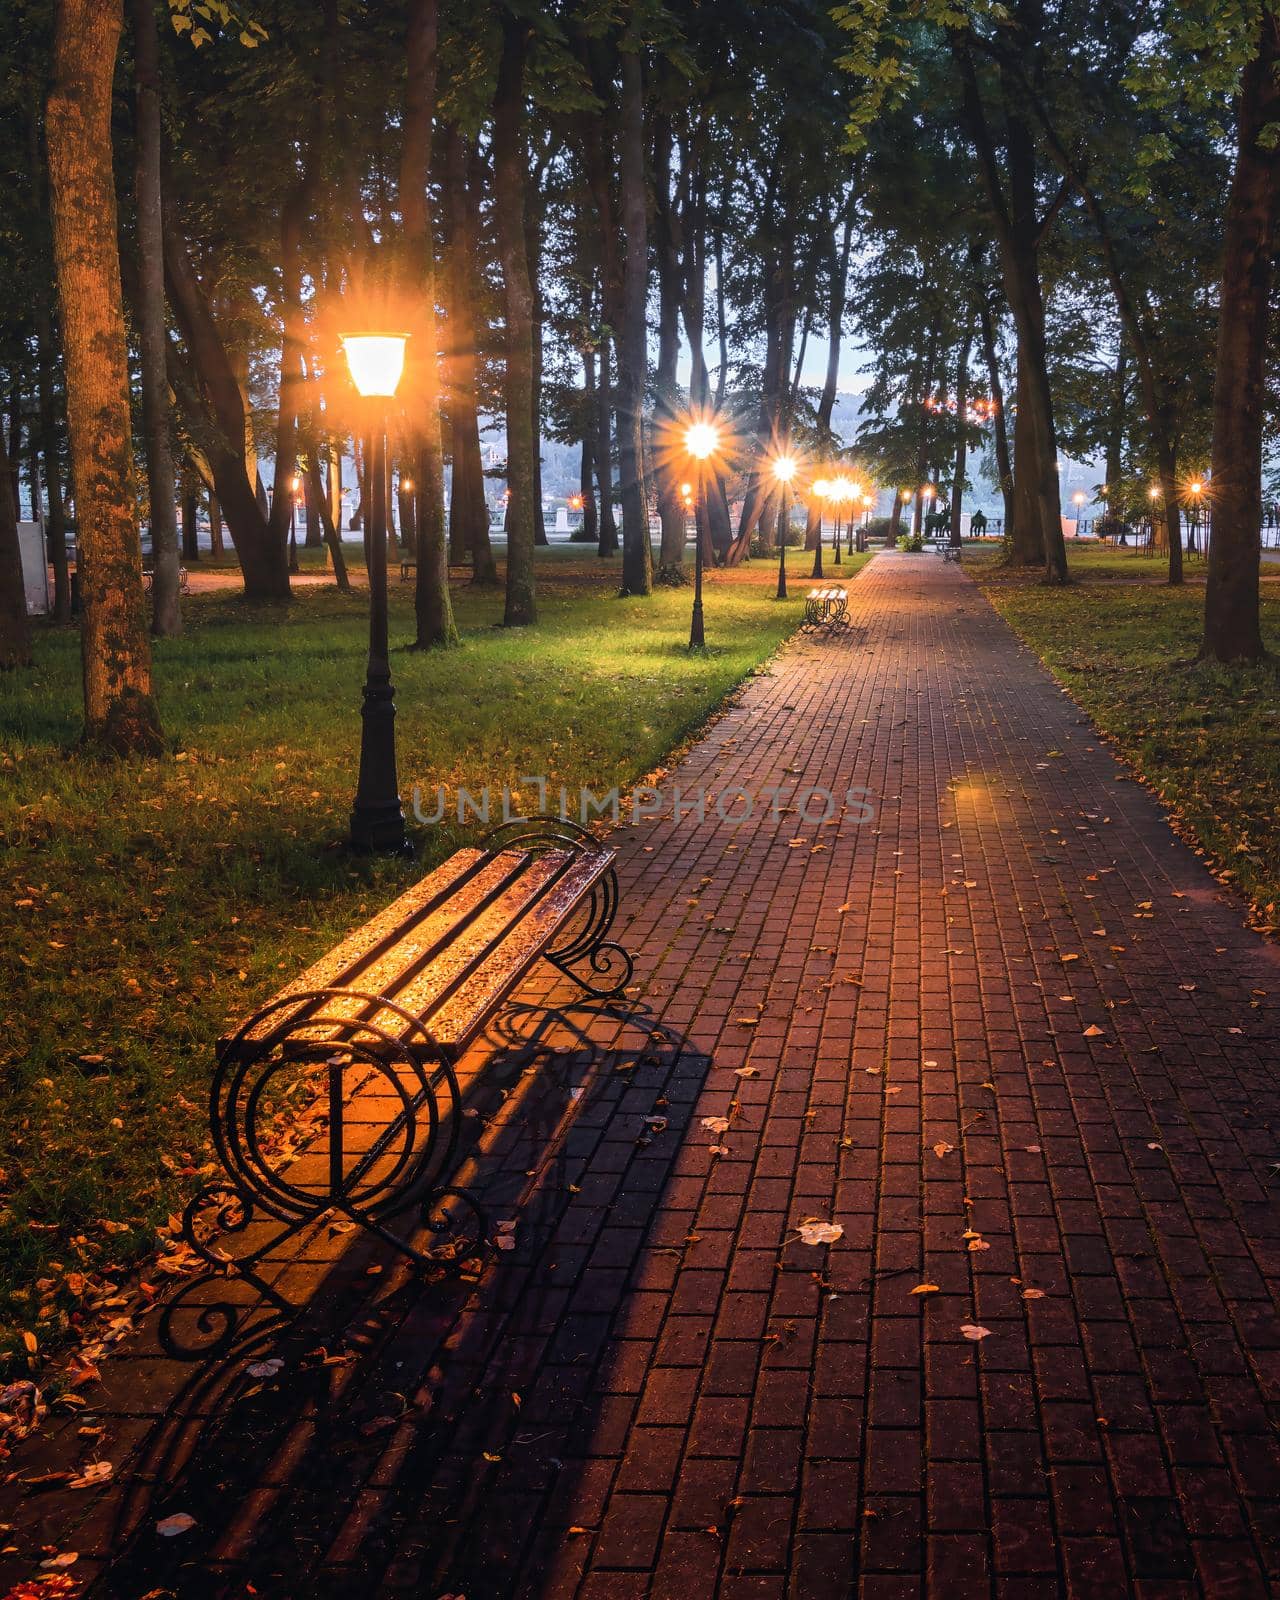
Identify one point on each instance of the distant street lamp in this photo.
(926, 494)
(824, 490)
(1078, 498)
(1197, 489)
(701, 441)
(784, 469)
(376, 361)
(868, 500)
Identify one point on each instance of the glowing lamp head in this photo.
(855, 491)
(926, 491)
(822, 488)
(1153, 493)
(295, 483)
(407, 485)
(575, 502)
(376, 361)
(701, 440)
(784, 469)
(686, 489)
(1078, 498)
(868, 500)
(1197, 488)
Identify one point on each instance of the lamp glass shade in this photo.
(701, 440)
(376, 361)
(784, 469)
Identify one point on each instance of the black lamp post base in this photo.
(379, 830)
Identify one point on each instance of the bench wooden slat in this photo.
(447, 950)
(351, 963)
(464, 1013)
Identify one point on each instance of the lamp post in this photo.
(839, 487)
(1078, 499)
(376, 361)
(926, 494)
(784, 469)
(822, 490)
(1153, 494)
(1197, 489)
(701, 440)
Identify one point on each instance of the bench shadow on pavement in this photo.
(354, 1444)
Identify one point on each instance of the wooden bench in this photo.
(825, 610)
(374, 1031)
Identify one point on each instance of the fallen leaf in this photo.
(942, 1148)
(974, 1331)
(716, 1124)
(926, 1288)
(179, 1522)
(97, 1472)
(820, 1232)
(1093, 1032)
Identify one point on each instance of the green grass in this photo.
(144, 905)
(1206, 738)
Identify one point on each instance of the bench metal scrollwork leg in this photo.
(599, 964)
(593, 960)
(370, 1168)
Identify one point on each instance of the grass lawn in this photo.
(144, 905)
(1206, 738)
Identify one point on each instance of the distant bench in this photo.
(826, 610)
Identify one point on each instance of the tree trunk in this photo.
(637, 554)
(1038, 517)
(671, 509)
(311, 515)
(1025, 539)
(1116, 427)
(328, 521)
(468, 510)
(1232, 630)
(962, 446)
(999, 426)
(604, 455)
(510, 171)
(120, 713)
(15, 626)
(259, 543)
(166, 609)
(432, 606)
(190, 535)
(216, 548)
(47, 356)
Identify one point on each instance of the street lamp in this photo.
(784, 469)
(376, 361)
(824, 489)
(1197, 489)
(701, 440)
(926, 494)
(1078, 499)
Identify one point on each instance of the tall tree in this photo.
(166, 609)
(15, 627)
(510, 174)
(433, 608)
(120, 712)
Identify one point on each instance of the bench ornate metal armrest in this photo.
(825, 610)
(374, 1031)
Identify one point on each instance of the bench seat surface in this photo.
(448, 951)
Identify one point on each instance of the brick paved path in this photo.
(1010, 1038)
